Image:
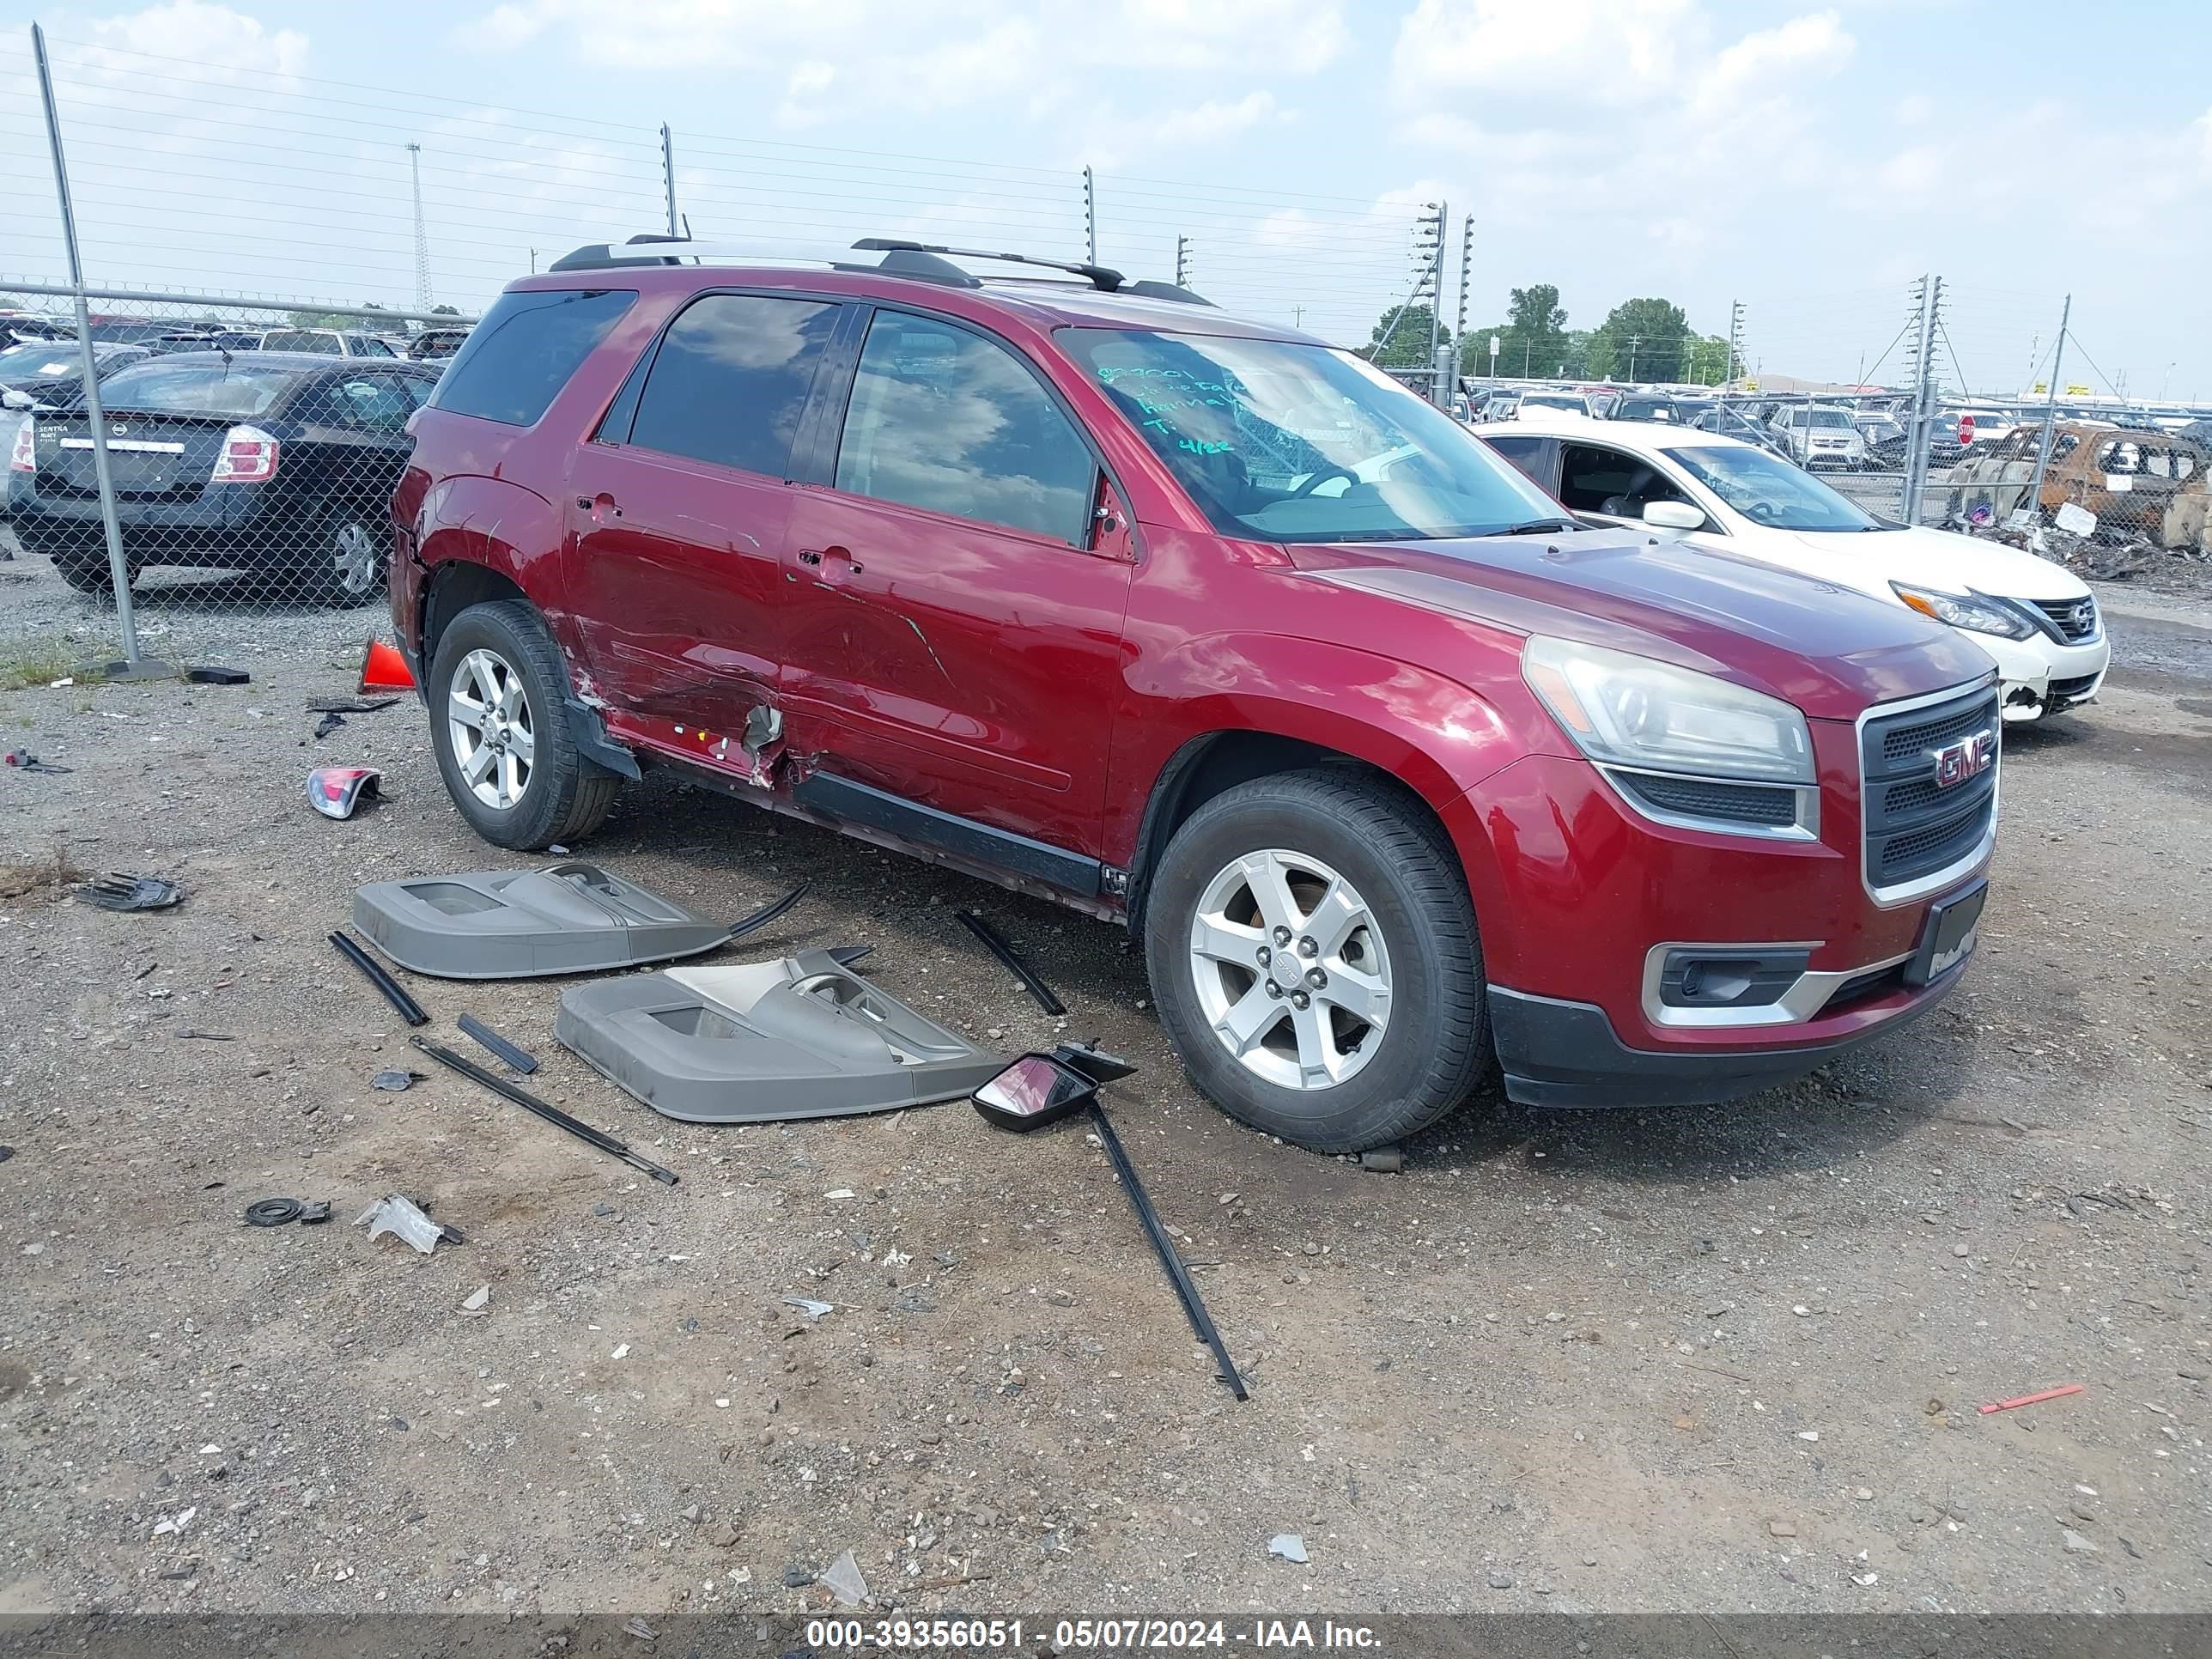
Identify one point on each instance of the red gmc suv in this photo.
(1204, 626)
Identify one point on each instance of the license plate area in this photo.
(1948, 936)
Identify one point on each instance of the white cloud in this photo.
(215, 39)
(1914, 110)
(1602, 50)
(1760, 63)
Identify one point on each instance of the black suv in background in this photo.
(277, 462)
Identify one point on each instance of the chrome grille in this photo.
(1917, 828)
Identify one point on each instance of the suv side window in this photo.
(731, 380)
(369, 403)
(519, 356)
(943, 419)
(1526, 453)
(1604, 481)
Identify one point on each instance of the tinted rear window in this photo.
(731, 380)
(167, 386)
(300, 339)
(517, 359)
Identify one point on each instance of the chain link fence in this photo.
(252, 450)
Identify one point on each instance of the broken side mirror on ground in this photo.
(1037, 1090)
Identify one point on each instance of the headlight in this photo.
(1626, 710)
(1968, 611)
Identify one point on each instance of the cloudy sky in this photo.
(1809, 161)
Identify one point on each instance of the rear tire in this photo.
(342, 566)
(515, 774)
(1376, 901)
(88, 574)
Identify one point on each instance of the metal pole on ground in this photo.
(118, 566)
(2033, 503)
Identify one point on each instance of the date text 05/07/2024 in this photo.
(1012, 1635)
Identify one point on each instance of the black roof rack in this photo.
(924, 261)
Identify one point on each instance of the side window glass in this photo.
(946, 420)
(1525, 454)
(1607, 482)
(731, 380)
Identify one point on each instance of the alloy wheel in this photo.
(488, 719)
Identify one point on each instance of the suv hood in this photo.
(1829, 650)
(1871, 560)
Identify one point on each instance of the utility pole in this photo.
(1634, 341)
(1436, 393)
(668, 174)
(1091, 214)
(1736, 343)
(1298, 316)
(2034, 503)
(421, 235)
(1466, 257)
(1928, 293)
(1182, 261)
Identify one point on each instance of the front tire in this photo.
(1314, 955)
(498, 692)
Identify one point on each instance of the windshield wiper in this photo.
(1539, 527)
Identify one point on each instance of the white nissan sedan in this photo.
(2036, 618)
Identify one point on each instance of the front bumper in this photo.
(2041, 677)
(1575, 891)
(1555, 1052)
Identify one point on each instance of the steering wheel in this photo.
(1319, 478)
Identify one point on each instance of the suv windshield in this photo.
(1284, 442)
(1831, 417)
(1770, 491)
(167, 386)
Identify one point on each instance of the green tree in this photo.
(1400, 339)
(444, 311)
(1641, 340)
(1532, 341)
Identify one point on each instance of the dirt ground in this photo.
(1722, 1359)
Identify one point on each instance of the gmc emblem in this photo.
(1969, 757)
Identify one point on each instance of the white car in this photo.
(2036, 618)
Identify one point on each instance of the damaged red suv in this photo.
(1205, 627)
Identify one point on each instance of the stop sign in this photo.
(1965, 428)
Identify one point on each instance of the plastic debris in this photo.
(216, 674)
(329, 723)
(122, 890)
(478, 1299)
(335, 791)
(397, 1083)
(1288, 1545)
(272, 1211)
(175, 1524)
(314, 1215)
(383, 669)
(2018, 1400)
(403, 1219)
(24, 761)
(841, 1578)
(809, 1306)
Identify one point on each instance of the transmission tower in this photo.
(421, 234)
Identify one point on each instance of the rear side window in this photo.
(170, 387)
(731, 380)
(947, 420)
(1525, 454)
(523, 352)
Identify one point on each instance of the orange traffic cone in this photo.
(383, 669)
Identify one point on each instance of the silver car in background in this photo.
(1815, 436)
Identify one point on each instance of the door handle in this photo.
(823, 558)
(601, 507)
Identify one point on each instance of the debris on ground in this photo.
(329, 723)
(335, 791)
(1383, 1160)
(809, 1306)
(216, 674)
(478, 1299)
(403, 1219)
(1288, 1545)
(348, 705)
(520, 1058)
(122, 890)
(395, 1082)
(841, 1578)
(24, 761)
(2018, 1400)
(273, 1212)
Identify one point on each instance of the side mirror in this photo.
(13, 399)
(1673, 515)
(1035, 1090)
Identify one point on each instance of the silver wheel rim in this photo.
(1293, 972)
(487, 715)
(353, 557)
